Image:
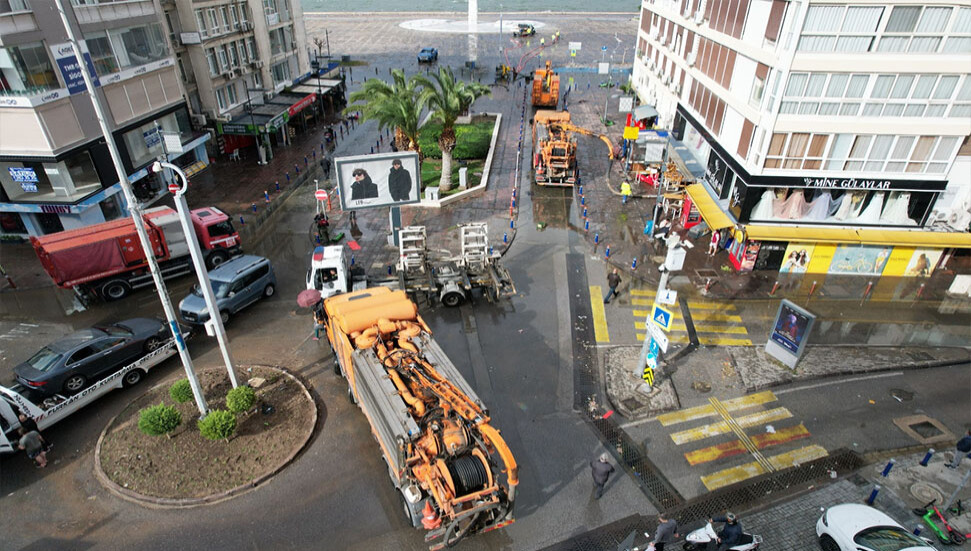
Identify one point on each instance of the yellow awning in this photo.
(709, 209)
(903, 238)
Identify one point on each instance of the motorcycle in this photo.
(698, 540)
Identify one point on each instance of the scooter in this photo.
(698, 540)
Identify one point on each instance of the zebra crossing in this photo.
(717, 323)
(747, 422)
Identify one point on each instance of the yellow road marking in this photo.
(740, 433)
(700, 304)
(599, 317)
(733, 475)
(735, 404)
(735, 447)
(642, 292)
(722, 427)
(707, 341)
(702, 328)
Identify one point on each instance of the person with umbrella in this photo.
(310, 298)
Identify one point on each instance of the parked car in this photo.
(68, 364)
(236, 283)
(428, 54)
(854, 527)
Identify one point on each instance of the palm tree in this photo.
(447, 99)
(397, 105)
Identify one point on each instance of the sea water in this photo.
(494, 6)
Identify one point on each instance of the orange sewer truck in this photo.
(432, 429)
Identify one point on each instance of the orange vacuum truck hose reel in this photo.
(456, 474)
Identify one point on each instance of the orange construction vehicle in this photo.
(432, 429)
(555, 148)
(546, 87)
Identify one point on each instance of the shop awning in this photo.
(900, 238)
(642, 112)
(714, 216)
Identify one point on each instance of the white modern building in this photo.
(55, 170)
(802, 118)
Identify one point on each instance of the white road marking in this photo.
(840, 381)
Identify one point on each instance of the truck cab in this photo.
(328, 271)
(217, 237)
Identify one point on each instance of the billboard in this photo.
(859, 259)
(797, 257)
(378, 180)
(789, 334)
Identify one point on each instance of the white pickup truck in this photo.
(55, 408)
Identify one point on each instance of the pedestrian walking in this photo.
(963, 447)
(613, 281)
(601, 469)
(319, 319)
(713, 244)
(32, 443)
(625, 191)
(667, 532)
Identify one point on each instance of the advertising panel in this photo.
(859, 259)
(797, 258)
(923, 262)
(378, 180)
(787, 340)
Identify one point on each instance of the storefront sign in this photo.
(191, 38)
(846, 183)
(227, 128)
(70, 69)
(56, 209)
(277, 121)
(302, 104)
(151, 137)
(26, 177)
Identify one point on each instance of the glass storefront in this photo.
(67, 181)
(144, 143)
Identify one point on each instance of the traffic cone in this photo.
(430, 519)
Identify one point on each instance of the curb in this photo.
(486, 173)
(173, 503)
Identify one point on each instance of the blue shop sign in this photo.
(26, 177)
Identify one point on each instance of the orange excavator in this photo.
(555, 148)
(546, 87)
(433, 431)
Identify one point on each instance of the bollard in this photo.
(586, 225)
(633, 265)
(927, 457)
(596, 238)
(513, 192)
(296, 170)
(377, 143)
(918, 529)
(352, 260)
(583, 200)
(580, 190)
(490, 251)
(288, 177)
(253, 206)
(886, 470)
(512, 224)
(372, 150)
(813, 288)
(266, 195)
(505, 237)
(277, 183)
(774, 289)
(873, 494)
(866, 292)
(708, 283)
(315, 155)
(241, 221)
(584, 212)
(607, 252)
(920, 291)
(305, 159)
(317, 239)
(389, 269)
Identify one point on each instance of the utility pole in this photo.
(136, 215)
(327, 37)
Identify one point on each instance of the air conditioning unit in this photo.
(198, 120)
(230, 74)
(691, 59)
(245, 26)
(699, 17)
(256, 64)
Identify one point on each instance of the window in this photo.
(226, 97)
(138, 45)
(945, 88)
(224, 17)
(143, 144)
(26, 68)
(885, 153)
(211, 59)
(903, 19)
(101, 54)
(912, 24)
(233, 54)
(281, 72)
(223, 59)
(213, 22)
(234, 12)
(758, 89)
(243, 13)
(201, 22)
(67, 181)
(840, 28)
(241, 47)
(251, 46)
(802, 151)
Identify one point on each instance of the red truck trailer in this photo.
(107, 261)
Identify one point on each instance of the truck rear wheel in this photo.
(452, 299)
(115, 290)
(350, 395)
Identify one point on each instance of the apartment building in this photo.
(814, 123)
(236, 59)
(55, 170)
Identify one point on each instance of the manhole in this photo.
(706, 273)
(631, 404)
(701, 386)
(901, 395)
(925, 493)
(855, 478)
(926, 429)
(919, 356)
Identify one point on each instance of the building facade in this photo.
(813, 122)
(55, 169)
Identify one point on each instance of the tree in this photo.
(448, 99)
(397, 105)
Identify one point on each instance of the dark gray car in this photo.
(68, 364)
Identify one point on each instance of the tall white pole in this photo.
(200, 265)
(136, 215)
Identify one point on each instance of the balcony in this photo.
(99, 11)
(16, 17)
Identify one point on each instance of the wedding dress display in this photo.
(795, 206)
(764, 210)
(820, 207)
(895, 212)
(871, 214)
(851, 206)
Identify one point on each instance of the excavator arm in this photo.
(580, 130)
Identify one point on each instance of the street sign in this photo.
(630, 132)
(603, 48)
(321, 194)
(668, 296)
(575, 46)
(626, 104)
(603, 68)
(174, 188)
(573, 53)
(658, 337)
(661, 317)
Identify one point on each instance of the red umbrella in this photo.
(308, 297)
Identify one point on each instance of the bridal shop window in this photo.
(856, 208)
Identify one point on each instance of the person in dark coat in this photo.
(363, 187)
(961, 450)
(613, 281)
(601, 470)
(730, 534)
(667, 531)
(399, 182)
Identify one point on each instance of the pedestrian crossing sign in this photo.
(661, 317)
(573, 53)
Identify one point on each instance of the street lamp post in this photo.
(261, 153)
(200, 265)
(136, 215)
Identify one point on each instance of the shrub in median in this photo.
(240, 399)
(159, 420)
(181, 391)
(218, 425)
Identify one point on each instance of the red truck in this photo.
(107, 260)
